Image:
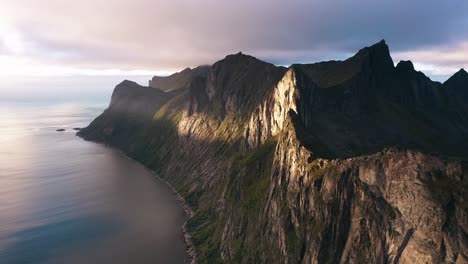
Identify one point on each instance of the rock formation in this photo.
(354, 161)
(179, 80)
(457, 87)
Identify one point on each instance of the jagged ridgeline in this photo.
(354, 161)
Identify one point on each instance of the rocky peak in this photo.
(130, 88)
(407, 74)
(372, 60)
(457, 86)
(127, 88)
(405, 66)
(460, 77)
(130, 99)
(239, 82)
(127, 83)
(413, 88)
(186, 70)
(462, 72)
(239, 58)
(379, 55)
(178, 80)
(381, 45)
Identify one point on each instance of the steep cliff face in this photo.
(395, 206)
(317, 163)
(362, 105)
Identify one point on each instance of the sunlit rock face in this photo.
(355, 161)
(393, 206)
(269, 117)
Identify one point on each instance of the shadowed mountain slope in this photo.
(179, 80)
(458, 87)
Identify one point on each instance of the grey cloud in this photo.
(175, 34)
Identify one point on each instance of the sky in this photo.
(81, 48)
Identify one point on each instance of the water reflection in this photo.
(65, 200)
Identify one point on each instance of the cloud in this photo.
(438, 62)
(170, 35)
(445, 56)
(3, 49)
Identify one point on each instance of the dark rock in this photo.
(457, 85)
(60, 130)
(179, 80)
(405, 66)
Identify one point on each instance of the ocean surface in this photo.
(65, 200)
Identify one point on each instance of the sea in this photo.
(67, 200)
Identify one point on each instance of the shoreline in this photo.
(189, 247)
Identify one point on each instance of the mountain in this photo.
(131, 107)
(458, 86)
(179, 80)
(353, 161)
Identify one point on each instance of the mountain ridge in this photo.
(457, 84)
(333, 162)
(178, 80)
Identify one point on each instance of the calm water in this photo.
(65, 200)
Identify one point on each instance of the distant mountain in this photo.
(179, 80)
(354, 161)
(131, 107)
